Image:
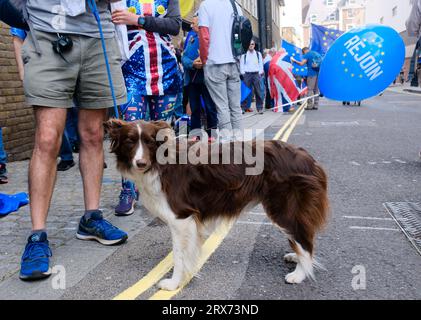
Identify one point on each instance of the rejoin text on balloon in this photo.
(366, 61)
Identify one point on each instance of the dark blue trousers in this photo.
(200, 99)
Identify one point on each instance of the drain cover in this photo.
(408, 216)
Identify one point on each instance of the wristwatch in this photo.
(141, 21)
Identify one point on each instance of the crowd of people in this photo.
(63, 69)
(62, 66)
(68, 87)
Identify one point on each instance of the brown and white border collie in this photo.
(191, 198)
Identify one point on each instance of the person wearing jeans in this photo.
(3, 160)
(221, 70)
(199, 97)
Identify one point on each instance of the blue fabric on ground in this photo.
(12, 203)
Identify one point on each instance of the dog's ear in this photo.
(161, 125)
(163, 132)
(113, 128)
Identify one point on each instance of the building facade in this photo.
(352, 13)
(291, 35)
(291, 30)
(334, 14)
(393, 13)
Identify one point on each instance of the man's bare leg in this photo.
(91, 155)
(50, 124)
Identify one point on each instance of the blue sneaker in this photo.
(35, 264)
(126, 204)
(99, 229)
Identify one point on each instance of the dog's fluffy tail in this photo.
(308, 198)
(307, 209)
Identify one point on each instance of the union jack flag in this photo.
(282, 84)
(152, 67)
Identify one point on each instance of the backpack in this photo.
(317, 61)
(12, 13)
(242, 33)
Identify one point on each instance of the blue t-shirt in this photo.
(18, 33)
(310, 56)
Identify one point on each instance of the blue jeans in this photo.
(3, 155)
(200, 99)
(66, 152)
(71, 125)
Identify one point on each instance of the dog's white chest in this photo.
(152, 196)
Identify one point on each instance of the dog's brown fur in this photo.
(292, 187)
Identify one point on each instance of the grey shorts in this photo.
(51, 81)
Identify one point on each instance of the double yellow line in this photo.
(208, 248)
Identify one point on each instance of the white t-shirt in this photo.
(218, 16)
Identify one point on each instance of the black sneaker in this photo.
(65, 165)
(3, 174)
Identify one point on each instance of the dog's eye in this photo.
(130, 141)
(148, 140)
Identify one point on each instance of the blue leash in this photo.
(94, 10)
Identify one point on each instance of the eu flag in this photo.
(322, 38)
(296, 53)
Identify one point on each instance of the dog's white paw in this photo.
(291, 257)
(168, 284)
(295, 277)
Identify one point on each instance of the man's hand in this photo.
(124, 17)
(292, 60)
(197, 64)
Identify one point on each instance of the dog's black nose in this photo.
(141, 164)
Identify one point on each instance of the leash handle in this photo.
(94, 10)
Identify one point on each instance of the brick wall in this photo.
(16, 118)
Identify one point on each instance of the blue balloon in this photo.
(362, 63)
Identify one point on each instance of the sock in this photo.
(38, 231)
(88, 213)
